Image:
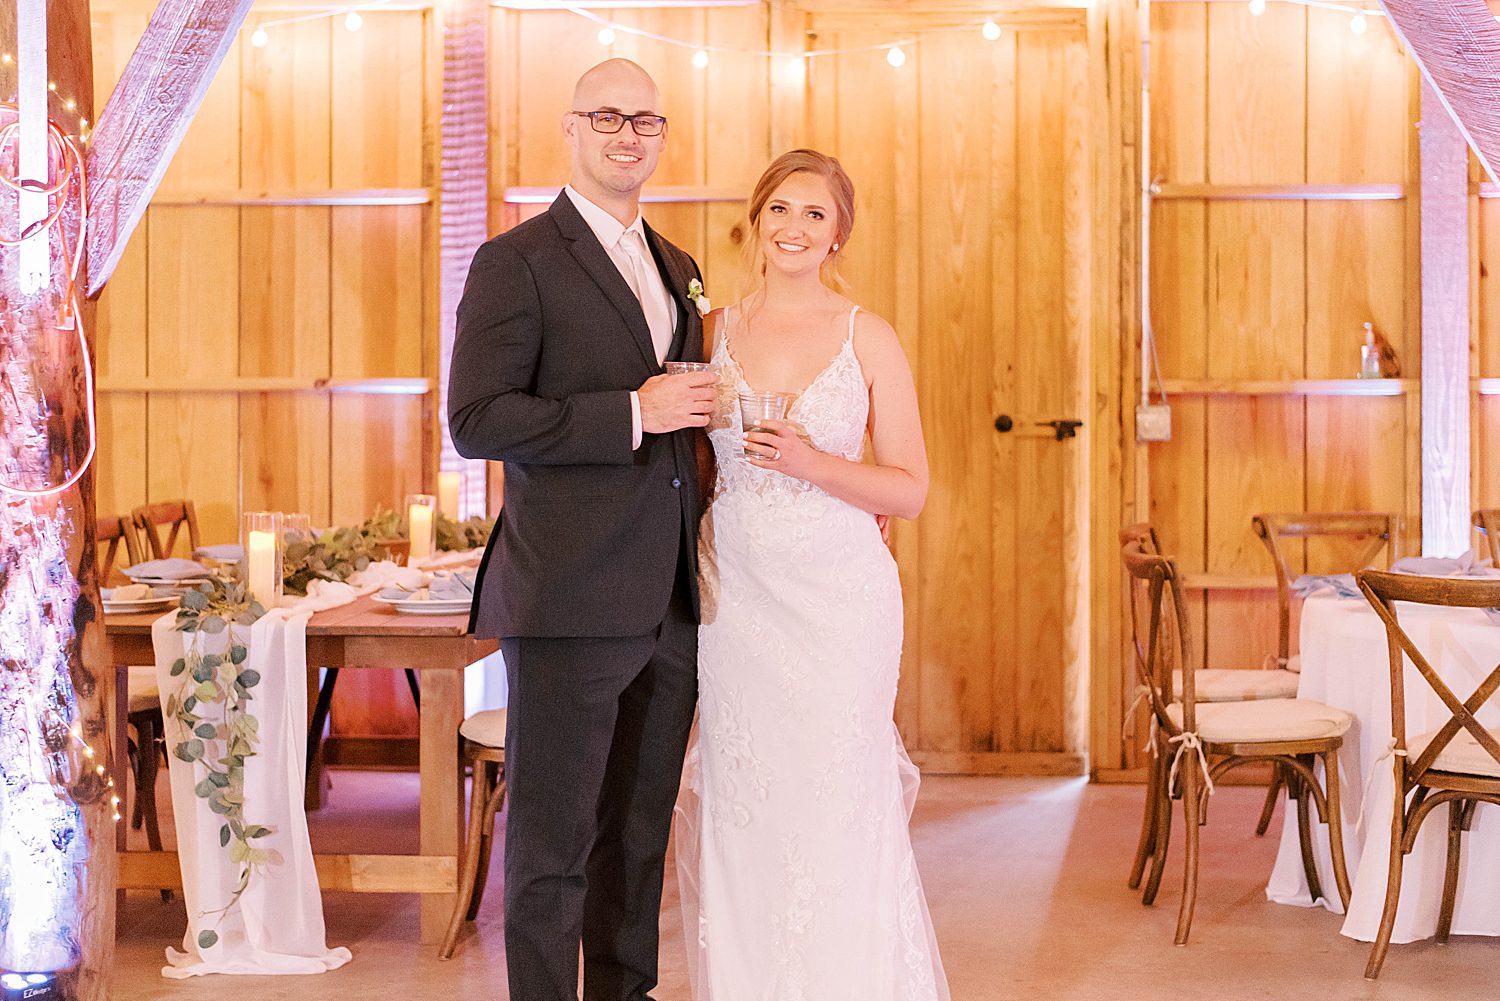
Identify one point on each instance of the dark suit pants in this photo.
(594, 747)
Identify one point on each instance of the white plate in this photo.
(141, 605)
(426, 606)
(174, 582)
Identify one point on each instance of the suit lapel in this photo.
(586, 249)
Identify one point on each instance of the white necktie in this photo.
(651, 295)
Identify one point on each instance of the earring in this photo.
(835, 248)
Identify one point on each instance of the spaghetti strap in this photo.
(850, 338)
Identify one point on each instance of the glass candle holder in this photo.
(421, 527)
(297, 527)
(261, 535)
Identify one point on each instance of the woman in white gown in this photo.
(795, 861)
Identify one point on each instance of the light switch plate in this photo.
(1153, 422)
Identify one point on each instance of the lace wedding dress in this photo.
(795, 862)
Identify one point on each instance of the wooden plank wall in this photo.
(1253, 298)
(718, 132)
(228, 311)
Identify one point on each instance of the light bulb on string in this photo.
(353, 21)
(606, 36)
(793, 71)
(1359, 24)
(991, 30)
(1257, 7)
(7, 58)
(700, 59)
(895, 56)
(260, 39)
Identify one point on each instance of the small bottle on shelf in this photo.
(1369, 355)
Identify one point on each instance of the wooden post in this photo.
(1445, 330)
(57, 845)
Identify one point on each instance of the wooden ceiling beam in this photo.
(148, 114)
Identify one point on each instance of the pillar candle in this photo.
(419, 518)
(448, 494)
(260, 553)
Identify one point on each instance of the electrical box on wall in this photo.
(1153, 422)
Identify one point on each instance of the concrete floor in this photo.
(1026, 882)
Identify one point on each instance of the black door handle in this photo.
(1003, 423)
(1063, 429)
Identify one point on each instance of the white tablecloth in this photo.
(1345, 664)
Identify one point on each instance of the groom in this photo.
(590, 579)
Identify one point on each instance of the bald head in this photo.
(613, 78)
(609, 167)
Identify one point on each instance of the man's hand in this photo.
(884, 523)
(672, 402)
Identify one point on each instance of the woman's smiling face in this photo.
(798, 224)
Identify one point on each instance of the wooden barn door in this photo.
(971, 163)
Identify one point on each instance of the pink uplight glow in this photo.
(67, 182)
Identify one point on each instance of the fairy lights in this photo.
(69, 182)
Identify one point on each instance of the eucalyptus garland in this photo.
(220, 732)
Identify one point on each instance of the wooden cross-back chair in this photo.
(143, 702)
(174, 516)
(1487, 520)
(1457, 764)
(110, 533)
(1382, 529)
(1213, 684)
(1291, 733)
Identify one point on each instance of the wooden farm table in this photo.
(364, 634)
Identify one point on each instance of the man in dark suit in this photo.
(590, 579)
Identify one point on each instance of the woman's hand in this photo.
(776, 445)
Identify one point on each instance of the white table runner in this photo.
(276, 927)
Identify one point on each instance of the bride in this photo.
(795, 861)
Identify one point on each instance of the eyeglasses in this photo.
(610, 122)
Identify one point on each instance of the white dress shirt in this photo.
(631, 255)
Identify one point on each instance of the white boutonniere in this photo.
(695, 293)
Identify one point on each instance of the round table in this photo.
(1345, 664)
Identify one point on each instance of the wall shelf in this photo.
(1291, 387)
(268, 384)
(362, 196)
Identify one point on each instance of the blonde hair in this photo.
(800, 161)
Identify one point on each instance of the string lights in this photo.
(69, 182)
(609, 32)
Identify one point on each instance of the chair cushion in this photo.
(487, 728)
(1224, 685)
(1463, 755)
(142, 693)
(1265, 720)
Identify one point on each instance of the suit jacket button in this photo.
(676, 483)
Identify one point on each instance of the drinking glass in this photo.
(684, 367)
(758, 408)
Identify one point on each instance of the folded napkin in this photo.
(321, 594)
(386, 574)
(224, 552)
(458, 586)
(456, 558)
(1467, 565)
(129, 592)
(173, 569)
(1341, 585)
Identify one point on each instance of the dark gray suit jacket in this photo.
(550, 343)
